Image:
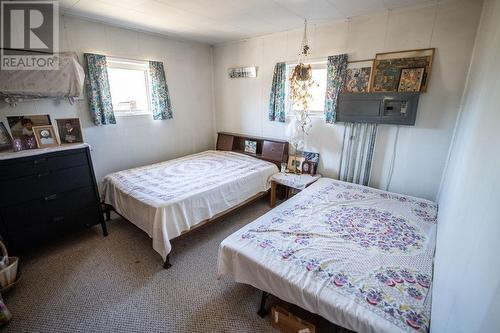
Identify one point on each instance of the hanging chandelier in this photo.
(301, 83)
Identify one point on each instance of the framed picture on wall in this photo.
(411, 79)
(242, 72)
(69, 130)
(358, 76)
(387, 68)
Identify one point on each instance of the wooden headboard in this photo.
(271, 150)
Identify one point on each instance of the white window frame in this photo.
(140, 65)
(288, 101)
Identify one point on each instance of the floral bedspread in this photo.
(168, 198)
(358, 256)
(161, 183)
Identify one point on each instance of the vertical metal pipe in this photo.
(339, 176)
(354, 153)
(356, 157)
(362, 155)
(368, 171)
(348, 157)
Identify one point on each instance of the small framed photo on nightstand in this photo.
(308, 168)
(295, 163)
(314, 159)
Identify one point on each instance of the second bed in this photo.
(170, 198)
(360, 257)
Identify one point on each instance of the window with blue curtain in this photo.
(99, 95)
(277, 97)
(336, 70)
(160, 98)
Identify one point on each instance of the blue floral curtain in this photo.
(98, 92)
(160, 98)
(336, 75)
(277, 98)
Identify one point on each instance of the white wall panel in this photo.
(422, 149)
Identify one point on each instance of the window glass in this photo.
(129, 85)
(318, 91)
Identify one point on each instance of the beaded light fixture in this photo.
(300, 83)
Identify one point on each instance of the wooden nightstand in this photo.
(290, 180)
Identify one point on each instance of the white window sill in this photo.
(132, 114)
(312, 114)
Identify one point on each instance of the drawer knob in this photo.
(40, 160)
(50, 197)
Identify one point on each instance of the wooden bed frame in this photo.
(271, 150)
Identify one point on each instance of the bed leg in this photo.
(104, 228)
(167, 263)
(107, 211)
(262, 310)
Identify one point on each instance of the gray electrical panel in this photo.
(380, 108)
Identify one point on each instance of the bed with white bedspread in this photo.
(169, 198)
(360, 257)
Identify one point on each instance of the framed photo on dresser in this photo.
(5, 139)
(45, 136)
(70, 130)
(21, 127)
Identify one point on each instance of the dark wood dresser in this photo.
(44, 196)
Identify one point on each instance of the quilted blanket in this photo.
(360, 257)
(168, 198)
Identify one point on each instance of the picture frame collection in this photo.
(401, 71)
(37, 131)
(305, 164)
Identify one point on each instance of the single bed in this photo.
(170, 198)
(359, 257)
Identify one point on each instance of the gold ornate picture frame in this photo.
(387, 68)
(359, 76)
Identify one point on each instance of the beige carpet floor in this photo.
(88, 283)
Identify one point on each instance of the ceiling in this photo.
(216, 21)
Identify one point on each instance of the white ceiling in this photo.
(216, 21)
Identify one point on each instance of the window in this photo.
(129, 85)
(317, 103)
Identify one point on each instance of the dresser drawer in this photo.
(48, 210)
(10, 169)
(44, 185)
(51, 227)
